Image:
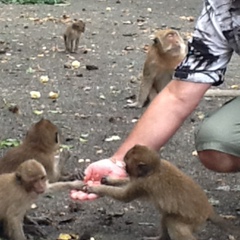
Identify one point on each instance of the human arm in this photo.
(163, 117)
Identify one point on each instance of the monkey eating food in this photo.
(166, 52)
(182, 203)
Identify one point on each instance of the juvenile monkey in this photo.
(72, 35)
(19, 189)
(41, 143)
(183, 204)
(166, 52)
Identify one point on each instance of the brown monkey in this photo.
(72, 35)
(19, 189)
(166, 52)
(41, 143)
(183, 204)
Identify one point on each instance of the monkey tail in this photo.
(223, 224)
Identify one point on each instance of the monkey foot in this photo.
(37, 220)
(34, 230)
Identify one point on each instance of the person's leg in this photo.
(218, 139)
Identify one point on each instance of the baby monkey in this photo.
(182, 203)
(166, 52)
(72, 35)
(19, 189)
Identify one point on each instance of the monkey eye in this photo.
(43, 178)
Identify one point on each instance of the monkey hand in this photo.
(92, 189)
(93, 175)
(77, 184)
(104, 180)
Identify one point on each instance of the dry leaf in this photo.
(35, 94)
(235, 86)
(112, 138)
(75, 64)
(38, 112)
(65, 236)
(44, 79)
(53, 95)
(102, 96)
(33, 206)
(229, 217)
(189, 18)
(194, 153)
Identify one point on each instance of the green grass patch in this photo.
(50, 2)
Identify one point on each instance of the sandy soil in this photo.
(90, 104)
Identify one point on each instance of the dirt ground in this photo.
(90, 105)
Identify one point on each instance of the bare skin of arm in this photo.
(160, 121)
(164, 116)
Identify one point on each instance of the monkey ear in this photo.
(143, 169)
(18, 176)
(156, 40)
(57, 137)
(83, 28)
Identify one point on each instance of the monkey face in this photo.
(32, 176)
(141, 161)
(169, 41)
(79, 26)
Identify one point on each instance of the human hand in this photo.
(93, 175)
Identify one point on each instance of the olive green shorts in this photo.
(221, 130)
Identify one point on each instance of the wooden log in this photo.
(222, 93)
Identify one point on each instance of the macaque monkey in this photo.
(41, 143)
(166, 52)
(72, 35)
(183, 204)
(19, 189)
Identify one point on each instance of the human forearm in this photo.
(164, 116)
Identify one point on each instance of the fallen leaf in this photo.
(55, 111)
(65, 236)
(35, 94)
(10, 142)
(44, 79)
(53, 95)
(189, 18)
(214, 202)
(223, 188)
(201, 115)
(33, 206)
(38, 112)
(112, 138)
(194, 153)
(75, 64)
(229, 217)
(235, 86)
(64, 146)
(102, 96)
(30, 70)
